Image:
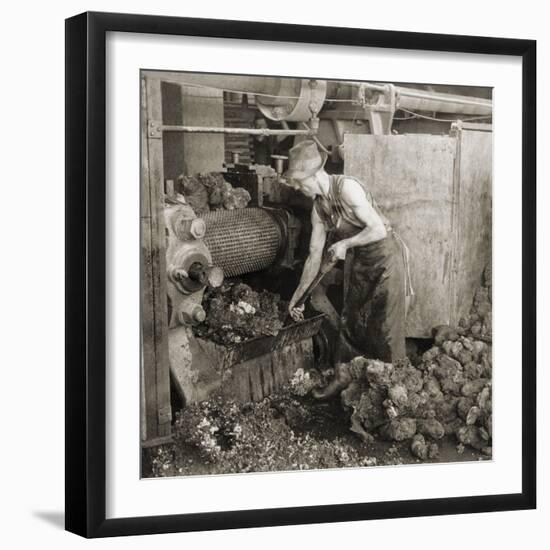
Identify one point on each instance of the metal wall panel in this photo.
(411, 178)
(474, 220)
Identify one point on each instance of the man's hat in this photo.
(304, 160)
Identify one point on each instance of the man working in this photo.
(346, 220)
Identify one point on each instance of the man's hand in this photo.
(297, 313)
(338, 250)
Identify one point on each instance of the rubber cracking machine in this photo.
(200, 253)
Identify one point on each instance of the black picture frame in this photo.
(86, 284)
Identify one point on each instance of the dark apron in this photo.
(373, 315)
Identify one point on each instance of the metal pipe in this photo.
(251, 131)
(268, 85)
(444, 98)
(319, 144)
(444, 103)
(422, 100)
(289, 88)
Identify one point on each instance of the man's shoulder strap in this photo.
(339, 180)
(337, 189)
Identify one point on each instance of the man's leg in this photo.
(350, 342)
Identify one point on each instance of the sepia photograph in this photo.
(316, 273)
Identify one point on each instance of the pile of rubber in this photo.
(447, 393)
(205, 192)
(236, 313)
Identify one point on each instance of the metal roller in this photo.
(244, 240)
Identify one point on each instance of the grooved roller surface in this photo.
(243, 240)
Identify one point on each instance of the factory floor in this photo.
(312, 434)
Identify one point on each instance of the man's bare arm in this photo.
(353, 195)
(313, 262)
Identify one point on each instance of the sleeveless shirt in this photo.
(333, 211)
(334, 214)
